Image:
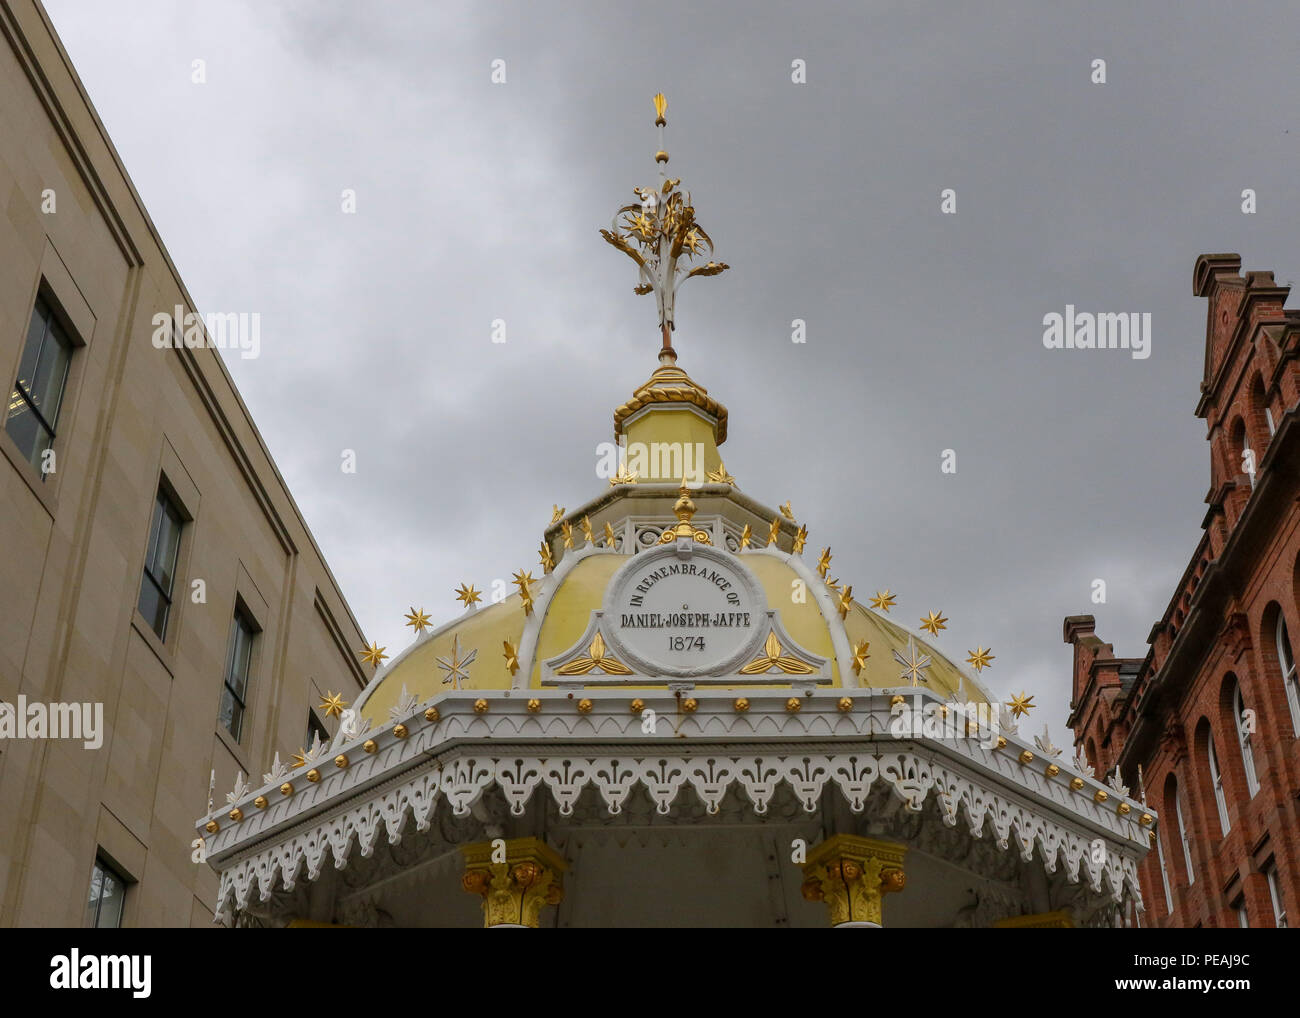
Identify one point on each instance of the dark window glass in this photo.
(37, 395)
(160, 564)
(107, 895)
(235, 691)
(315, 728)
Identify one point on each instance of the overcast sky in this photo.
(477, 201)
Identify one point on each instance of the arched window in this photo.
(1275, 895)
(1286, 661)
(1164, 875)
(1182, 836)
(1216, 778)
(1245, 729)
(1246, 456)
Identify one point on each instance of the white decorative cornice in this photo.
(461, 780)
(474, 739)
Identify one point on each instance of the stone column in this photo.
(515, 880)
(852, 875)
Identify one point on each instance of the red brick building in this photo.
(1211, 714)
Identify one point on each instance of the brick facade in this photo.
(1214, 670)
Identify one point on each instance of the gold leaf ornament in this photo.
(595, 658)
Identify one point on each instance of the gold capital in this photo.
(515, 890)
(851, 875)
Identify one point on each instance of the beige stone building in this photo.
(154, 563)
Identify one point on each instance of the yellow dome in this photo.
(563, 612)
(569, 637)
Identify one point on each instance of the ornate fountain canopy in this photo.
(658, 232)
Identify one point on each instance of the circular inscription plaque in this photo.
(685, 613)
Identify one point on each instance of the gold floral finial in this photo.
(720, 476)
(684, 509)
(657, 231)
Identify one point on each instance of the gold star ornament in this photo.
(775, 532)
(467, 594)
(417, 620)
(745, 536)
(800, 538)
(512, 657)
(846, 601)
(523, 580)
(823, 562)
(787, 512)
(1021, 704)
(556, 512)
(883, 600)
(548, 560)
(373, 655)
(860, 656)
(933, 623)
(979, 658)
(332, 704)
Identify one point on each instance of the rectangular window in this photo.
(107, 895)
(235, 692)
(38, 391)
(160, 564)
